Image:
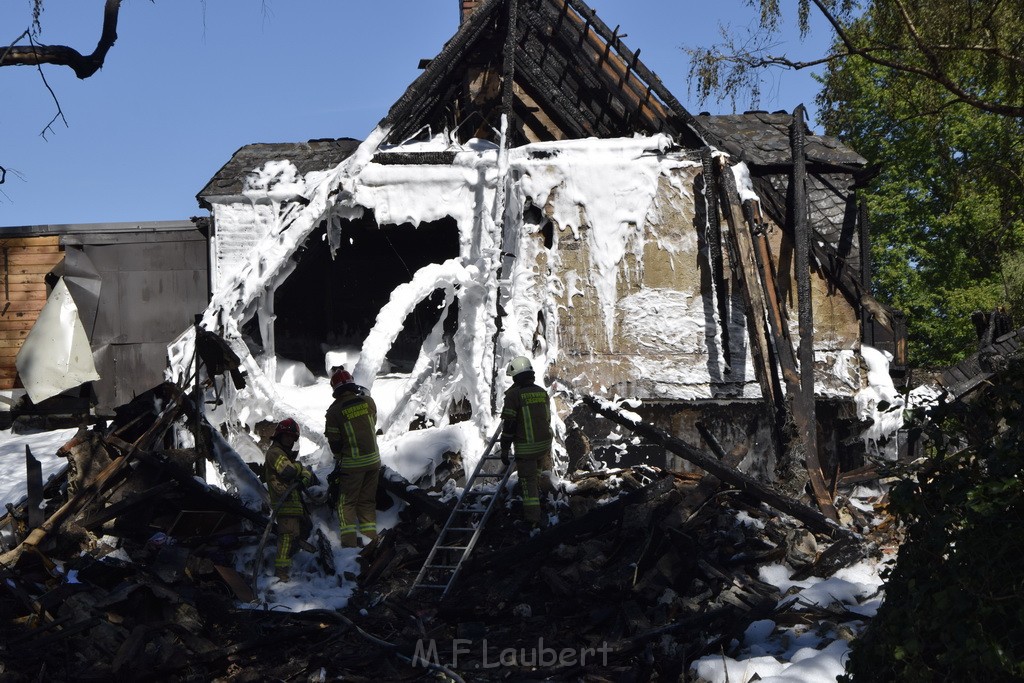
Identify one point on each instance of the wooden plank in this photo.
(11, 328)
(19, 305)
(13, 251)
(52, 258)
(36, 295)
(38, 269)
(17, 318)
(7, 353)
(12, 336)
(27, 287)
(22, 278)
(6, 384)
(8, 372)
(48, 240)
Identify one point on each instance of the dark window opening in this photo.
(327, 304)
(534, 216)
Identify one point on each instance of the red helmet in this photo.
(287, 426)
(341, 376)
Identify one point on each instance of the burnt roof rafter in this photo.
(571, 64)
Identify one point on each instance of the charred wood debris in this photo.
(130, 571)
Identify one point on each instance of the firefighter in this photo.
(351, 430)
(526, 417)
(281, 471)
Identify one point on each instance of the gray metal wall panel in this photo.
(108, 316)
(141, 256)
(138, 367)
(158, 306)
(105, 387)
(151, 292)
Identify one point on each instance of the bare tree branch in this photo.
(728, 68)
(936, 73)
(84, 66)
(60, 112)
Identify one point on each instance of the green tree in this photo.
(955, 598)
(930, 92)
(945, 205)
(972, 49)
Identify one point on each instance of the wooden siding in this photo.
(24, 263)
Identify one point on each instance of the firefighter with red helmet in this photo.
(351, 430)
(526, 424)
(282, 470)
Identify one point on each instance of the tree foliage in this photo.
(946, 205)
(930, 92)
(955, 597)
(972, 49)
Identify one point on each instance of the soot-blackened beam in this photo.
(812, 518)
(803, 400)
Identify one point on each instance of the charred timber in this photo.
(418, 499)
(583, 54)
(812, 518)
(699, 136)
(414, 158)
(441, 66)
(570, 115)
(549, 68)
(804, 413)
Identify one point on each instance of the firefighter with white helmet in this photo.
(526, 416)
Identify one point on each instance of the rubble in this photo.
(135, 574)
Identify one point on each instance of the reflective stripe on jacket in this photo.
(527, 420)
(351, 431)
(281, 471)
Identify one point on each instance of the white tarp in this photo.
(56, 355)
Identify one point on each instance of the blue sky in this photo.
(189, 82)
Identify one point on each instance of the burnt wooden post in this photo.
(777, 317)
(713, 237)
(753, 293)
(508, 73)
(34, 480)
(197, 398)
(803, 399)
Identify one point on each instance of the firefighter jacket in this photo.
(527, 419)
(281, 471)
(352, 432)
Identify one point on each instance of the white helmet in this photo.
(519, 365)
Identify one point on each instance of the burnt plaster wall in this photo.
(679, 361)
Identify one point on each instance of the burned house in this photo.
(537, 190)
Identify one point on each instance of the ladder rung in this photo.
(438, 586)
(460, 528)
(452, 547)
(442, 566)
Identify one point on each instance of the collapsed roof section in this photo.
(553, 66)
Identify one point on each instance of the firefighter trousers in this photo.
(357, 506)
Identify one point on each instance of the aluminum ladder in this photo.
(461, 532)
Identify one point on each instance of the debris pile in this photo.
(137, 571)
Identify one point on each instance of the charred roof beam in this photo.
(693, 130)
